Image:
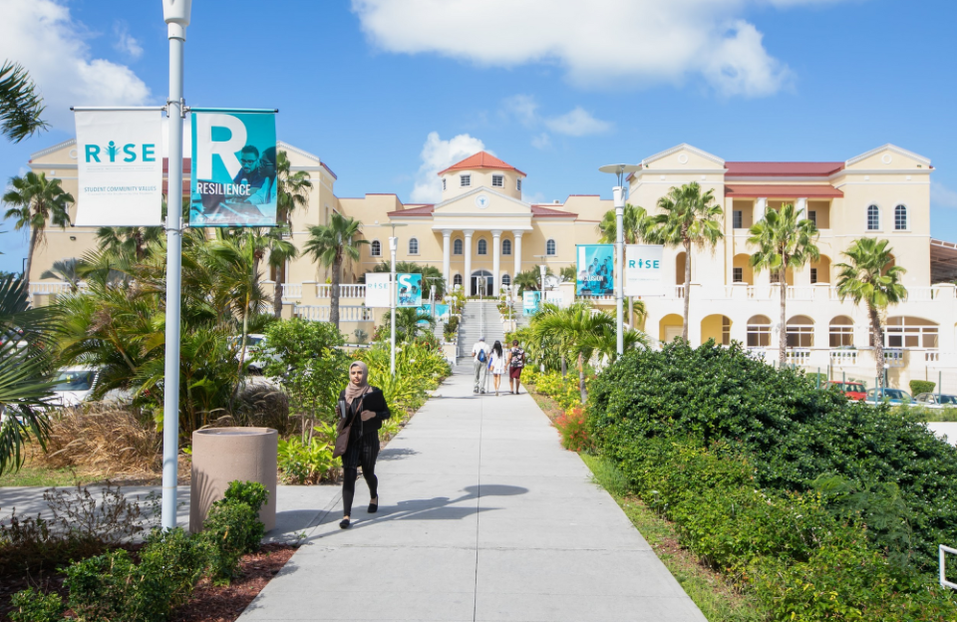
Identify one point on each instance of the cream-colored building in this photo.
(482, 227)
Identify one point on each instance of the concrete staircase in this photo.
(480, 318)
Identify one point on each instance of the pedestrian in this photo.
(365, 410)
(516, 362)
(496, 364)
(480, 353)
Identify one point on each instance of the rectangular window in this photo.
(738, 275)
(813, 276)
(737, 219)
(443, 184)
(465, 180)
(498, 181)
(812, 216)
(518, 185)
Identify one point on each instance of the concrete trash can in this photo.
(222, 455)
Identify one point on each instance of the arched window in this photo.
(550, 248)
(900, 218)
(506, 247)
(457, 279)
(800, 332)
(759, 332)
(482, 247)
(873, 218)
(457, 247)
(841, 332)
(376, 248)
(413, 246)
(506, 280)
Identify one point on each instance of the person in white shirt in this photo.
(480, 353)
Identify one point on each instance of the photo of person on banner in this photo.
(596, 270)
(234, 168)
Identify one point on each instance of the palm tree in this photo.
(784, 240)
(292, 193)
(634, 223)
(20, 106)
(431, 276)
(27, 374)
(869, 277)
(131, 244)
(407, 322)
(66, 270)
(329, 245)
(37, 202)
(689, 219)
(530, 279)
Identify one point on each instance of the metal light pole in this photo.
(618, 191)
(176, 15)
(393, 293)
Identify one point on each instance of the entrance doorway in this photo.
(483, 277)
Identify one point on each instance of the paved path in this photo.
(482, 516)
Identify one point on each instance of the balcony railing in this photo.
(798, 356)
(291, 291)
(47, 288)
(345, 291)
(844, 358)
(321, 313)
(894, 357)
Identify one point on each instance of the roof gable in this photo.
(889, 155)
(481, 160)
(677, 150)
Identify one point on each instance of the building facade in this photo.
(482, 233)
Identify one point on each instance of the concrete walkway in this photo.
(482, 516)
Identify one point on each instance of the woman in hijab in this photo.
(365, 410)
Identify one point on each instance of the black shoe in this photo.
(373, 507)
(344, 523)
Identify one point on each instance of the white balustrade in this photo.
(844, 358)
(800, 293)
(797, 356)
(291, 291)
(347, 290)
(894, 357)
(920, 294)
(679, 291)
(46, 288)
(350, 313)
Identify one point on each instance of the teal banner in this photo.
(596, 270)
(410, 290)
(233, 168)
(531, 301)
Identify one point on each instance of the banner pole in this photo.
(176, 16)
(619, 193)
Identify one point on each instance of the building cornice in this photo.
(887, 147)
(49, 150)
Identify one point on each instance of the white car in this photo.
(74, 385)
(255, 354)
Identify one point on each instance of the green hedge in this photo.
(921, 386)
(774, 480)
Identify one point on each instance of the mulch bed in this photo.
(209, 603)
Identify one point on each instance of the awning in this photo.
(943, 261)
(774, 191)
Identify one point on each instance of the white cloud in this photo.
(542, 141)
(125, 42)
(41, 35)
(619, 43)
(942, 196)
(578, 122)
(438, 154)
(523, 107)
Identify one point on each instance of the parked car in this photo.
(256, 355)
(853, 390)
(894, 397)
(74, 385)
(935, 400)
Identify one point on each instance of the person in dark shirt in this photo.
(250, 171)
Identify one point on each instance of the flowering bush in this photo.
(574, 432)
(563, 390)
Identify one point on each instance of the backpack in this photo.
(481, 356)
(518, 358)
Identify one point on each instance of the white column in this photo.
(496, 260)
(800, 207)
(467, 277)
(517, 253)
(762, 278)
(447, 258)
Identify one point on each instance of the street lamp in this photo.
(393, 243)
(619, 171)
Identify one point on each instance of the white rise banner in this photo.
(643, 273)
(377, 290)
(119, 168)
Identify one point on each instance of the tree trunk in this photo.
(876, 340)
(684, 329)
(564, 367)
(34, 236)
(783, 330)
(279, 279)
(581, 378)
(334, 293)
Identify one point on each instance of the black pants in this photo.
(362, 454)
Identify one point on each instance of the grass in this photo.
(717, 598)
(33, 474)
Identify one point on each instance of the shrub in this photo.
(574, 432)
(233, 528)
(921, 386)
(307, 463)
(31, 606)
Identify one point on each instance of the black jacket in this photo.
(374, 400)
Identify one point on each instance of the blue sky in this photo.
(388, 91)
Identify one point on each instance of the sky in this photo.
(388, 92)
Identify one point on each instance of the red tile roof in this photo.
(816, 191)
(422, 210)
(481, 159)
(547, 212)
(782, 169)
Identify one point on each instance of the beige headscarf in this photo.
(353, 391)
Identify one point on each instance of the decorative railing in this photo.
(844, 358)
(797, 356)
(47, 288)
(345, 291)
(894, 357)
(291, 291)
(321, 313)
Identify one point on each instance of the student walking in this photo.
(516, 362)
(365, 410)
(496, 364)
(480, 354)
